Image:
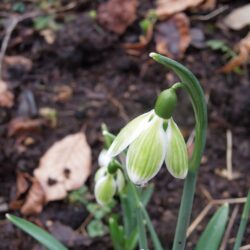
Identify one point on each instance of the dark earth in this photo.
(111, 86)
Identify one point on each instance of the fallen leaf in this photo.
(173, 36)
(21, 125)
(243, 49)
(144, 40)
(18, 62)
(238, 18)
(63, 93)
(166, 8)
(64, 167)
(6, 96)
(35, 200)
(117, 15)
(23, 183)
(208, 5)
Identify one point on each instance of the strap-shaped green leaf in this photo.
(243, 223)
(211, 237)
(37, 233)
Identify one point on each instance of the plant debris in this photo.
(65, 166)
(21, 125)
(166, 8)
(238, 18)
(173, 36)
(6, 96)
(117, 15)
(243, 49)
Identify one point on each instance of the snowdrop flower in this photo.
(149, 144)
(109, 179)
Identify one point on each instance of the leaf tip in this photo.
(153, 55)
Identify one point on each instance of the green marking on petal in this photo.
(146, 154)
(105, 189)
(176, 155)
(129, 133)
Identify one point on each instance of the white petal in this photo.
(105, 189)
(104, 158)
(129, 133)
(176, 152)
(146, 154)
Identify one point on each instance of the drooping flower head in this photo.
(149, 143)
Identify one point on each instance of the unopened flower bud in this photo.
(165, 103)
(100, 173)
(176, 155)
(105, 189)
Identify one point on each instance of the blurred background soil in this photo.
(91, 72)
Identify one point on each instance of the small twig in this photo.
(230, 201)
(11, 27)
(210, 15)
(12, 22)
(198, 219)
(229, 228)
(229, 155)
(246, 247)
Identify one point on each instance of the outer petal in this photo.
(129, 133)
(176, 156)
(105, 189)
(104, 158)
(146, 154)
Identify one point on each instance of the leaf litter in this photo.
(65, 166)
(173, 36)
(117, 15)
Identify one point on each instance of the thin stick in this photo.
(229, 228)
(246, 247)
(198, 219)
(230, 201)
(13, 22)
(229, 154)
(210, 15)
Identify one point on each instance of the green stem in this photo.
(243, 223)
(140, 221)
(192, 86)
(154, 236)
(185, 211)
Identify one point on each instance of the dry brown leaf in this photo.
(243, 49)
(238, 18)
(35, 200)
(63, 93)
(173, 36)
(117, 15)
(64, 167)
(208, 5)
(18, 61)
(23, 183)
(144, 40)
(6, 96)
(21, 125)
(166, 8)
